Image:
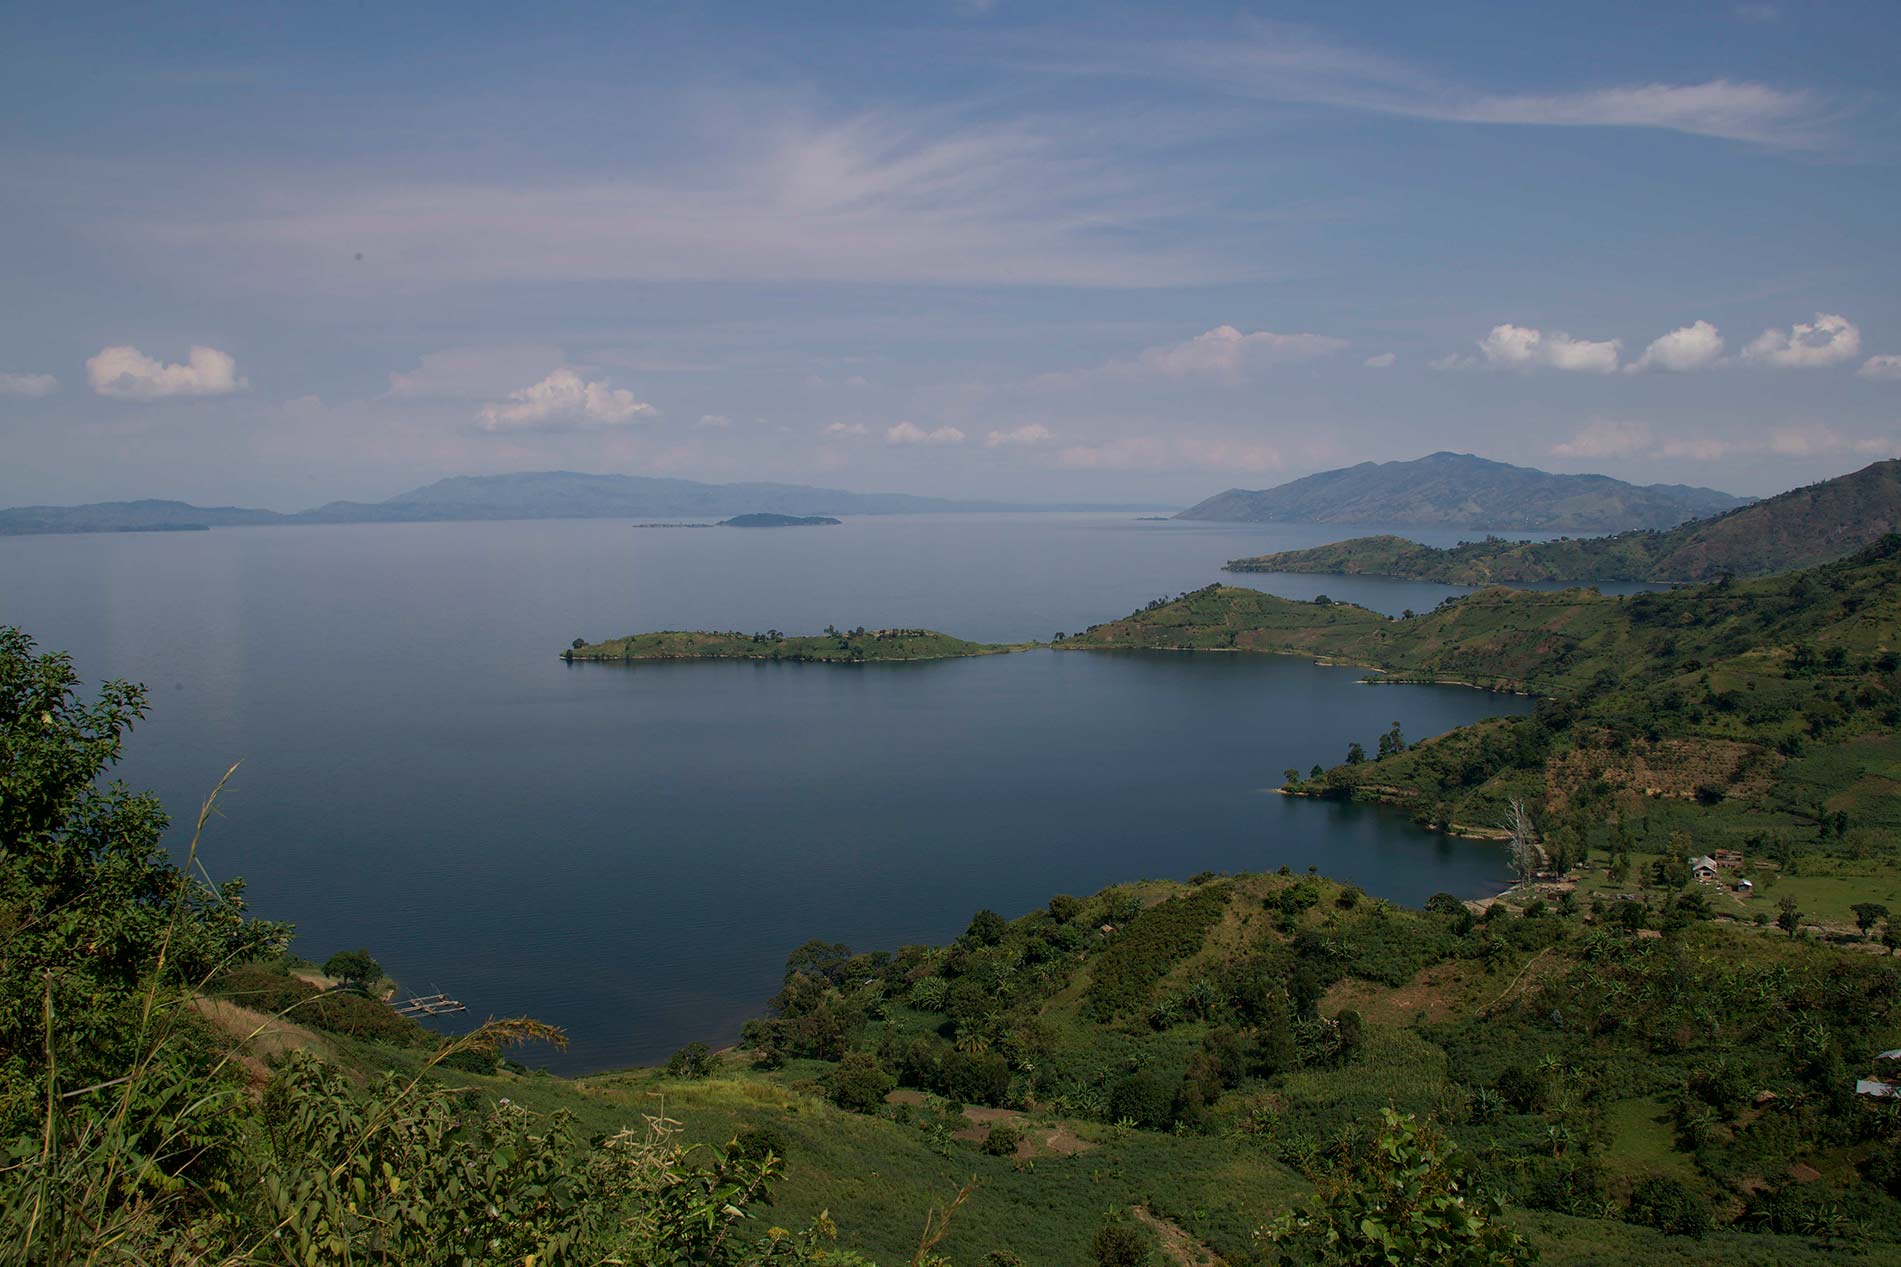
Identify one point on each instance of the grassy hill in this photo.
(857, 646)
(1458, 490)
(1792, 530)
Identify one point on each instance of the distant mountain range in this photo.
(531, 495)
(1797, 529)
(1458, 490)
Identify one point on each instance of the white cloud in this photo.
(561, 401)
(1382, 361)
(125, 373)
(911, 433)
(1693, 347)
(714, 422)
(1223, 353)
(1828, 340)
(1886, 366)
(845, 429)
(1033, 433)
(1521, 347)
(1605, 438)
(34, 385)
(1696, 448)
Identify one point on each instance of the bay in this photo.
(630, 852)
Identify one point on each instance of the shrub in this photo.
(1002, 1140)
(692, 1061)
(1669, 1205)
(756, 1142)
(1145, 1098)
(859, 1084)
(1118, 1243)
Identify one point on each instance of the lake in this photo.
(630, 852)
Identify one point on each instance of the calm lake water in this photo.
(631, 852)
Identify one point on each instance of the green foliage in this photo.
(1001, 1140)
(1669, 1205)
(1405, 1196)
(859, 1084)
(354, 970)
(1119, 1242)
(1141, 953)
(695, 1060)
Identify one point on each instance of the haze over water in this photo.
(630, 852)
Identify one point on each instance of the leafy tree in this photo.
(694, 1060)
(986, 928)
(1063, 908)
(355, 970)
(1788, 916)
(1402, 1197)
(859, 1084)
(1002, 1140)
(1891, 936)
(1356, 755)
(1868, 914)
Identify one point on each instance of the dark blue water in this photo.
(631, 851)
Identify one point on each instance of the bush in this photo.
(1145, 1098)
(1669, 1205)
(755, 1142)
(692, 1061)
(1002, 1140)
(859, 1084)
(1118, 1243)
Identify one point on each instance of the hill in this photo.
(1792, 530)
(1746, 714)
(1458, 490)
(857, 646)
(529, 495)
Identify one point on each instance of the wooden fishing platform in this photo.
(428, 1005)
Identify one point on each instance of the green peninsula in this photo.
(1797, 529)
(834, 646)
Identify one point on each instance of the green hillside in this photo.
(1749, 711)
(857, 646)
(1793, 530)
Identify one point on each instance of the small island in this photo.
(834, 646)
(764, 520)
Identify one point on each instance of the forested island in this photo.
(834, 646)
(779, 521)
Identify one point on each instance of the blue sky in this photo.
(276, 254)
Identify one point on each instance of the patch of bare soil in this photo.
(1177, 1245)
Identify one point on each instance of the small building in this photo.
(1732, 859)
(1889, 1055)
(1704, 869)
(1745, 887)
(1868, 1086)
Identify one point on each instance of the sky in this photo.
(273, 254)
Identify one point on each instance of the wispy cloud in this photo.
(911, 433)
(1223, 354)
(30, 385)
(1828, 340)
(1026, 436)
(1280, 62)
(880, 197)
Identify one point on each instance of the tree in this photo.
(1868, 914)
(860, 1084)
(1316, 772)
(1891, 936)
(1404, 1196)
(1669, 1205)
(1788, 917)
(1525, 854)
(578, 643)
(354, 970)
(986, 928)
(1290, 775)
(1355, 754)
(692, 1061)
(1392, 743)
